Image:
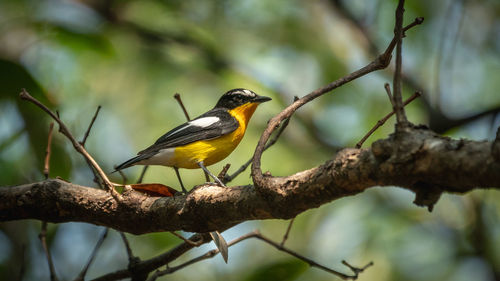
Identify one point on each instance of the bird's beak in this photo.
(261, 99)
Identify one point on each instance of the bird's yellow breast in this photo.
(214, 150)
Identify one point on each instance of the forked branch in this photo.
(381, 62)
(78, 147)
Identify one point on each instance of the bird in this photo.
(205, 140)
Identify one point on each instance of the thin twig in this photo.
(285, 237)
(192, 243)
(223, 172)
(228, 178)
(205, 256)
(415, 22)
(143, 173)
(440, 123)
(256, 234)
(132, 260)
(43, 239)
(312, 263)
(357, 270)
(124, 177)
(43, 232)
(65, 131)
(46, 166)
(243, 167)
(383, 120)
(156, 262)
(130, 255)
(98, 245)
(177, 96)
(397, 82)
(84, 140)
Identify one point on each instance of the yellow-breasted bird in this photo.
(205, 140)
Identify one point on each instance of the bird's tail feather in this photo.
(128, 163)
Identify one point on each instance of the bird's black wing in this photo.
(214, 123)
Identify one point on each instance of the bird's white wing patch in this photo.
(204, 122)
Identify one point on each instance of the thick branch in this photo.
(418, 160)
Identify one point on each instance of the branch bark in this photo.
(418, 159)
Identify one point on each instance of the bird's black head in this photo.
(237, 97)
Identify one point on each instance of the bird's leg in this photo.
(180, 180)
(216, 179)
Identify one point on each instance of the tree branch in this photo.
(381, 62)
(418, 160)
(397, 82)
(143, 268)
(256, 234)
(78, 147)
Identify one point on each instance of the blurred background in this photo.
(131, 57)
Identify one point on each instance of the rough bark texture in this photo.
(415, 158)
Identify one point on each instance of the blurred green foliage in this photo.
(132, 56)
(282, 270)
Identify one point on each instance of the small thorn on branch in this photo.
(387, 88)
